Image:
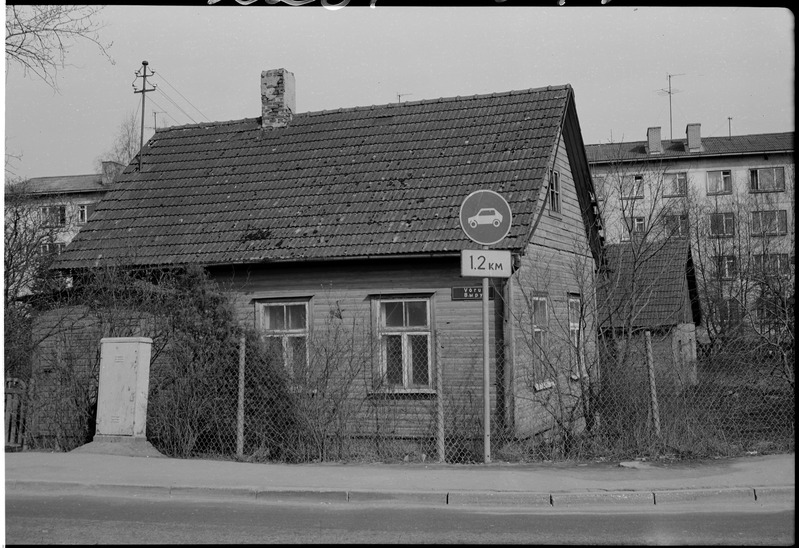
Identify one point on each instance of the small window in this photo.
(554, 191)
(55, 216)
(729, 313)
(576, 336)
(722, 225)
(405, 344)
(84, 212)
(676, 184)
(719, 182)
(676, 225)
(636, 227)
(540, 321)
(600, 187)
(285, 329)
(52, 249)
(632, 187)
(770, 223)
(727, 266)
(768, 179)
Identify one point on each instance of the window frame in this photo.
(780, 221)
(84, 211)
(576, 337)
(755, 179)
(539, 336)
(678, 220)
(54, 215)
(724, 216)
(725, 177)
(554, 190)
(631, 224)
(287, 333)
(405, 333)
(634, 191)
(772, 264)
(727, 266)
(678, 180)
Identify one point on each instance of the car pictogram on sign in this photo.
(486, 216)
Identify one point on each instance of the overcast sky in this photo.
(726, 62)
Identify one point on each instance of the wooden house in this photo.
(354, 213)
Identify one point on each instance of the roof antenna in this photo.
(670, 92)
(143, 91)
(401, 95)
(729, 126)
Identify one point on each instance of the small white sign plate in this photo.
(485, 263)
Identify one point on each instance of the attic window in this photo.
(554, 191)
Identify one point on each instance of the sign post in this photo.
(485, 218)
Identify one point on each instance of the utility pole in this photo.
(142, 73)
(670, 93)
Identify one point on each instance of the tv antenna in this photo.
(401, 95)
(670, 92)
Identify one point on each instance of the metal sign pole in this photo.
(486, 390)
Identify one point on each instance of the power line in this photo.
(168, 98)
(184, 98)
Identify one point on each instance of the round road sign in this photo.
(485, 217)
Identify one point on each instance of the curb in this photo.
(757, 497)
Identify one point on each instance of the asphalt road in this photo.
(89, 519)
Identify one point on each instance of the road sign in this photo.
(485, 263)
(485, 217)
(470, 293)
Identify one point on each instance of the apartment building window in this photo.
(722, 225)
(719, 182)
(405, 343)
(84, 212)
(728, 312)
(676, 185)
(676, 225)
(636, 226)
(632, 187)
(285, 329)
(576, 336)
(540, 324)
(599, 187)
(727, 266)
(52, 249)
(554, 191)
(767, 179)
(54, 215)
(770, 223)
(772, 264)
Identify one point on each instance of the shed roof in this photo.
(647, 284)
(359, 182)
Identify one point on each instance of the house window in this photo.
(52, 249)
(285, 329)
(636, 226)
(728, 313)
(540, 321)
(722, 224)
(54, 215)
(676, 184)
(719, 182)
(632, 187)
(727, 266)
(554, 191)
(599, 187)
(576, 336)
(770, 223)
(405, 357)
(771, 264)
(84, 212)
(768, 179)
(676, 225)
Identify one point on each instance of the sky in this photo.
(732, 68)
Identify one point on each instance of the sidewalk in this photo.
(747, 483)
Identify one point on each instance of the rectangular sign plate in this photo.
(471, 293)
(485, 263)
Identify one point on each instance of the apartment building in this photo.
(732, 197)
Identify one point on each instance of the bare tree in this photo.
(38, 37)
(126, 143)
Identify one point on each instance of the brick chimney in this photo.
(654, 145)
(693, 139)
(278, 100)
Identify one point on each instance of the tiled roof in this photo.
(67, 184)
(358, 182)
(648, 284)
(675, 149)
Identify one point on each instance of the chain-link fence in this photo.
(345, 392)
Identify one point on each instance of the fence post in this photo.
(652, 391)
(240, 413)
(440, 446)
